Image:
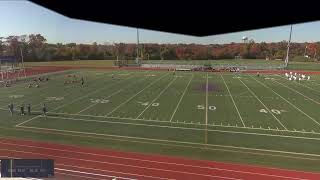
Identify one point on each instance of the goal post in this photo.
(237, 57)
(11, 68)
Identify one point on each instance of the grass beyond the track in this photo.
(243, 118)
(76, 63)
(254, 63)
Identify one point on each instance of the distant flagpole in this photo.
(137, 59)
(288, 49)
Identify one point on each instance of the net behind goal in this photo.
(11, 68)
(237, 57)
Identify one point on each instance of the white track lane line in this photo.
(153, 161)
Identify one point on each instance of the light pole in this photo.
(305, 51)
(137, 59)
(288, 49)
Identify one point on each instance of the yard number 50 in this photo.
(201, 107)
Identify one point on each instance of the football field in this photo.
(234, 112)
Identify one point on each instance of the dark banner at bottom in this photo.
(27, 168)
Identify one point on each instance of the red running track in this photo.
(73, 162)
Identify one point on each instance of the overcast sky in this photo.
(19, 17)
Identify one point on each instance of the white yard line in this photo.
(157, 97)
(59, 107)
(23, 84)
(301, 84)
(28, 95)
(298, 92)
(263, 104)
(313, 82)
(116, 108)
(207, 100)
(240, 94)
(41, 89)
(175, 127)
(81, 97)
(206, 120)
(117, 92)
(126, 79)
(88, 107)
(35, 117)
(264, 129)
(235, 106)
(126, 123)
(176, 143)
(175, 110)
(104, 117)
(186, 123)
(289, 102)
(224, 149)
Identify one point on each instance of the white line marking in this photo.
(59, 107)
(233, 101)
(301, 84)
(126, 123)
(109, 137)
(73, 175)
(179, 143)
(207, 100)
(35, 117)
(103, 155)
(98, 103)
(81, 97)
(43, 88)
(175, 110)
(136, 94)
(298, 92)
(107, 97)
(103, 170)
(88, 107)
(206, 120)
(289, 103)
(117, 164)
(144, 160)
(156, 97)
(88, 173)
(263, 104)
(189, 123)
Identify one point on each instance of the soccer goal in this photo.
(237, 57)
(11, 68)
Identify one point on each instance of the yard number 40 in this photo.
(275, 111)
(147, 103)
(212, 108)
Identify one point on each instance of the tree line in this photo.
(34, 47)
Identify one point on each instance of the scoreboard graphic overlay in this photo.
(24, 168)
